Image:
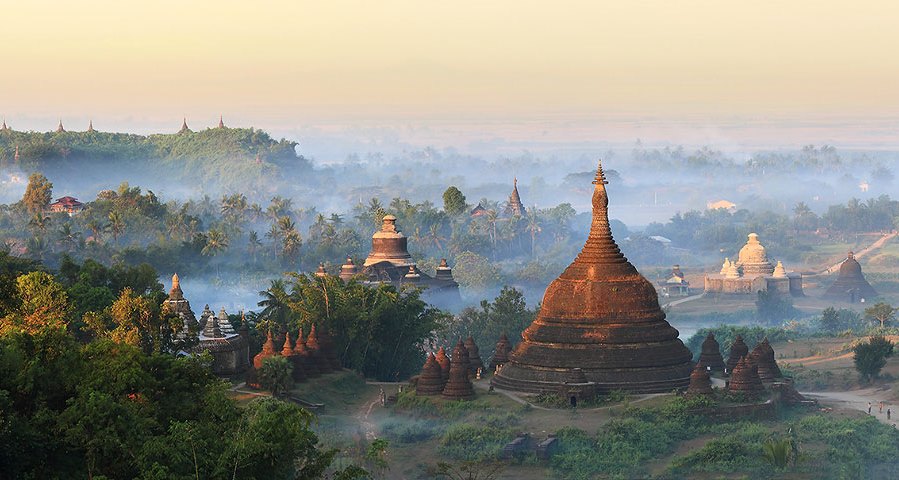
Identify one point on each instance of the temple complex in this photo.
(850, 285)
(745, 378)
(753, 272)
(700, 382)
(603, 317)
(738, 350)
(390, 262)
(430, 381)
(215, 334)
(458, 386)
(710, 357)
(474, 356)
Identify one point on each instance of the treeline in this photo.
(90, 386)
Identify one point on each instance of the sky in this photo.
(289, 65)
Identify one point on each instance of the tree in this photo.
(275, 374)
(216, 242)
(116, 225)
(773, 307)
(453, 202)
(141, 323)
(38, 193)
(42, 305)
(870, 357)
(881, 312)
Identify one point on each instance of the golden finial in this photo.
(176, 282)
(600, 176)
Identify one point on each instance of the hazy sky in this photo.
(288, 62)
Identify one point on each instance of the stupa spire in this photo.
(4, 127)
(600, 247)
(90, 126)
(60, 128)
(221, 122)
(184, 127)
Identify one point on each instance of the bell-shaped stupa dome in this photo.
(602, 317)
(753, 259)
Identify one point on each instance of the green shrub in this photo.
(474, 442)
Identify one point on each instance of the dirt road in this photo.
(858, 400)
(861, 253)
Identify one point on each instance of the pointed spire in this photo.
(4, 127)
(221, 122)
(600, 246)
(90, 126)
(60, 128)
(184, 127)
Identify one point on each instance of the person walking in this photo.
(869, 408)
(888, 414)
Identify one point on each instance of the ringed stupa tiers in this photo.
(602, 317)
(850, 285)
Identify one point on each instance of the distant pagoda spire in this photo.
(90, 126)
(184, 127)
(221, 121)
(515, 207)
(60, 128)
(4, 127)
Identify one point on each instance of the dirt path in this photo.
(858, 400)
(861, 253)
(517, 398)
(682, 300)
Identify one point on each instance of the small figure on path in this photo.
(869, 408)
(888, 414)
(881, 407)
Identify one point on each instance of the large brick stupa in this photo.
(602, 317)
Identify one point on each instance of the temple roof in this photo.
(515, 207)
(602, 316)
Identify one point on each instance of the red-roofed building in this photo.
(70, 205)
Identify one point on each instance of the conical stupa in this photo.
(430, 381)
(316, 353)
(763, 357)
(738, 350)
(711, 354)
(501, 354)
(850, 285)
(745, 378)
(474, 356)
(310, 366)
(603, 317)
(288, 352)
(459, 387)
(444, 363)
(268, 350)
(700, 382)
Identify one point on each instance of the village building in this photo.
(69, 205)
(602, 318)
(675, 285)
(753, 272)
(850, 285)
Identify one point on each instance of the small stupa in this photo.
(602, 316)
(738, 350)
(90, 126)
(315, 352)
(763, 356)
(501, 354)
(444, 363)
(458, 386)
(430, 381)
(850, 285)
(293, 357)
(184, 128)
(321, 272)
(310, 366)
(60, 128)
(700, 382)
(515, 207)
(348, 270)
(711, 354)
(745, 378)
(268, 350)
(221, 121)
(474, 356)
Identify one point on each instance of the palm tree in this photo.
(253, 244)
(96, 227)
(39, 222)
(67, 237)
(435, 238)
(216, 242)
(491, 217)
(116, 225)
(274, 305)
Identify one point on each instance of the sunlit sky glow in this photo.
(290, 63)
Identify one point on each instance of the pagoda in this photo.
(501, 354)
(700, 382)
(458, 386)
(268, 350)
(763, 356)
(745, 378)
(850, 285)
(430, 381)
(90, 126)
(60, 128)
(738, 350)
(221, 122)
(292, 356)
(305, 358)
(444, 363)
(178, 305)
(603, 317)
(348, 270)
(474, 356)
(711, 354)
(316, 353)
(515, 208)
(184, 127)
